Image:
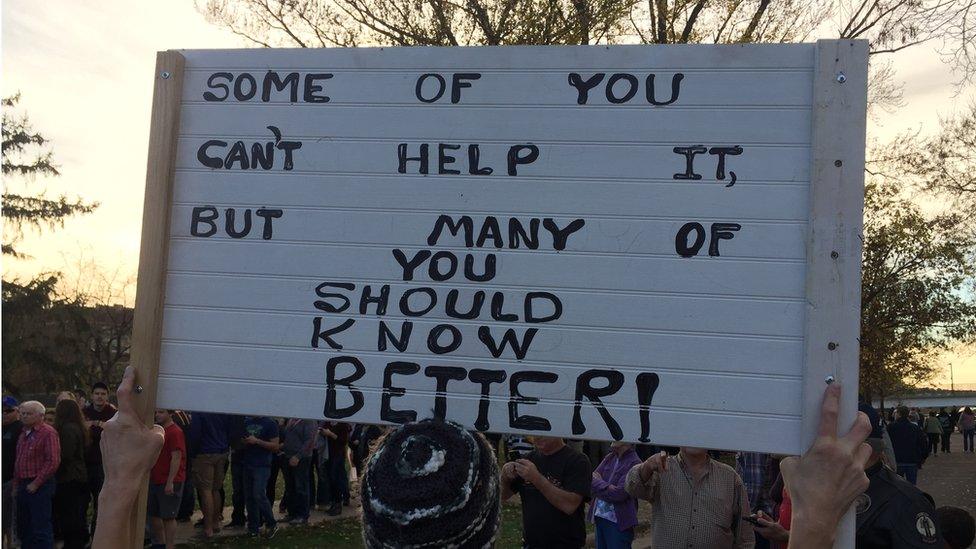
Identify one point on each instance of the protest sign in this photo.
(652, 244)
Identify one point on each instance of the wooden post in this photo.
(834, 236)
(147, 326)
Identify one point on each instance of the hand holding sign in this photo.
(827, 478)
(129, 449)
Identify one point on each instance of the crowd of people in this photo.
(54, 470)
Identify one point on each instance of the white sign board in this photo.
(641, 243)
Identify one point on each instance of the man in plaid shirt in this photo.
(756, 471)
(38, 458)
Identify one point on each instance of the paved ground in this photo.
(949, 478)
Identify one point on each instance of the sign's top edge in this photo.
(591, 48)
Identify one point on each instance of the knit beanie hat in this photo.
(431, 484)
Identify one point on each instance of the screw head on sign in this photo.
(838, 163)
(164, 74)
(831, 345)
(834, 255)
(841, 78)
(829, 379)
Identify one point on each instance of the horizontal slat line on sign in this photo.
(451, 284)
(524, 179)
(499, 196)
(594, 162)
(556, 345)
(339, 140)
(491, 249)
(501, 326)
(393, 317)
(463, 106)
(712, 393)
(543, 87)
(176, 344)
(754, 433)
(259, 71)
(495, 398)
(480, 360)
(486, 249)
(432, 59)
(549, 272)
(436, 212)
(520, 126)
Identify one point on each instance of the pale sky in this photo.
(85, 72)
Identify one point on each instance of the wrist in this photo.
(810, 530)
(118, 492)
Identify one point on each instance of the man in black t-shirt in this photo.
(554, 483)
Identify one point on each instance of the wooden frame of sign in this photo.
(814, 181)
(835, 236)
(147, 324)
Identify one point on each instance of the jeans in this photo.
(338, 480)
(255, 482)
(296, 484)
(967, 439)
(273, 479)
(96, 477)
(237, 484)
(608, 536)
(34, 515)
(324, 492)
(945, 441)
(313, 471)
(909, 471)
(70, 513)
(188, 500)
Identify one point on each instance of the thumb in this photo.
(788, 467)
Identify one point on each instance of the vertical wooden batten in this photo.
(147, 325)
(834, 237)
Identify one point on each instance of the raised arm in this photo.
(643, 478)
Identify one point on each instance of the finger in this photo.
(859, 432)
(125, 390)
(828, 411)
(664, 460)
(788, 466)
(863, 454)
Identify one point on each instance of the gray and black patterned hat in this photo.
(431, 484)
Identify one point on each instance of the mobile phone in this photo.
(752, 519)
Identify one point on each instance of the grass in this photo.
(346, 534)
